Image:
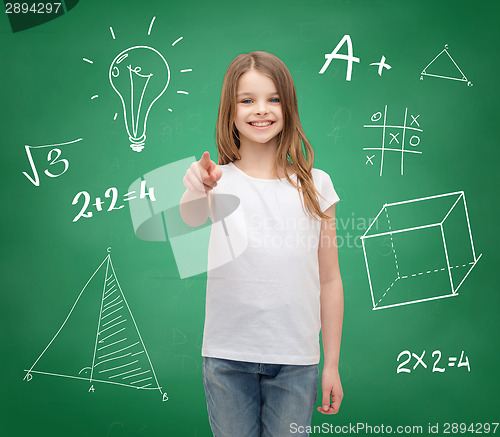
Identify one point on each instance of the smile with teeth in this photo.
(261, 123)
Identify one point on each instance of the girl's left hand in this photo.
(331, 386)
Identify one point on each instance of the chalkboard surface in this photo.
(400, 102)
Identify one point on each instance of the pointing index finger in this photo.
(205, 160)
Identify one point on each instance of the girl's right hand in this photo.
(202, 175)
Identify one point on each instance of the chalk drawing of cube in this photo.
(419, 250)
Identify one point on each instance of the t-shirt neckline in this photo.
(258, 179)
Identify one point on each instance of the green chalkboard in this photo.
(405, 123)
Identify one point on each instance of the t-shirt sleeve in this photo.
(328, 196)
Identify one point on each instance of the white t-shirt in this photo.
(263, 304)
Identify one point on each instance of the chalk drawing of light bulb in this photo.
(139, 75)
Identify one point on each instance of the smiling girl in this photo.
(266, 307)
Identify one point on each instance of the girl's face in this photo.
(259, 118)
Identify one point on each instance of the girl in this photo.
(265, 304)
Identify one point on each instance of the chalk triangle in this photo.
(443, 66)
(99, 340)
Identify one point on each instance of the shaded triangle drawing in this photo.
(443, 66)
(99, 340)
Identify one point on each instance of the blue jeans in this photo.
(258, 400)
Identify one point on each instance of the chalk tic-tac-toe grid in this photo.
(402, 139)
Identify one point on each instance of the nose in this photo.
(261, 108)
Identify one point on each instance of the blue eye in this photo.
(275, 100)
(246, 101)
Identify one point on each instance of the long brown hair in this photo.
(293, 147)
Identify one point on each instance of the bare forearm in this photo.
(332, 312)
(194, 208)
(200, 178)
